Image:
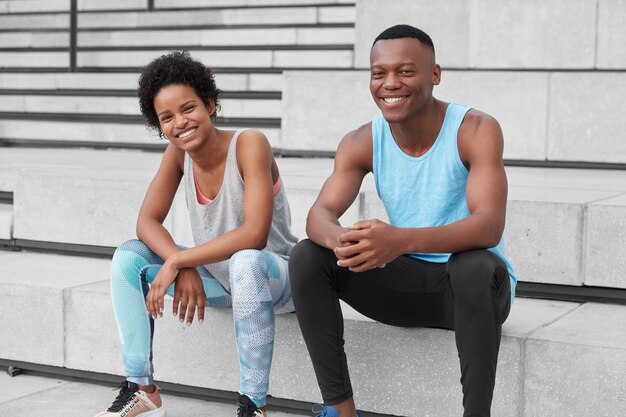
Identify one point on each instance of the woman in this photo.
(241, 227)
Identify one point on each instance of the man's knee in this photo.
(476, 274)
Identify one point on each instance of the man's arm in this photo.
(480, 147)
(352, 163)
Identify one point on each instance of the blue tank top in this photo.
(428, 190)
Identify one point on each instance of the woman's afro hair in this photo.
(175, 68)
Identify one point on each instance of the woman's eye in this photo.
(189, 109)
(166, 119)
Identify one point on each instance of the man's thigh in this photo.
(407, 292)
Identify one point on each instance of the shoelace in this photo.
(248, 412)
(126, 393)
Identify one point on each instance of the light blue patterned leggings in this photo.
(259, 288)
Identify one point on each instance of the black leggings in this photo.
(470, 294)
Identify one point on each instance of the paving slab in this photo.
(22, 386)
(88, 399)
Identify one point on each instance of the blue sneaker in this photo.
(328, 411)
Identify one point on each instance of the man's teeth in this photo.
(393, 99)
(186, 133)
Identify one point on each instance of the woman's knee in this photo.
(247, 266)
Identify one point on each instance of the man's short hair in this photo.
(406, 31)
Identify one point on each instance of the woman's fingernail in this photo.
(188, 323)
(180, 320)
(201, 321)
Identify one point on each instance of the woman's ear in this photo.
(211, 107)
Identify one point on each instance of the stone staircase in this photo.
(76, 159)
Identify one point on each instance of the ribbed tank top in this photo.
(428, 190)
(225, 212)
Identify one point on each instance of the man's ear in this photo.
(436, 74)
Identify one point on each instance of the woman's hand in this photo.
(189, 295)
(158, 288)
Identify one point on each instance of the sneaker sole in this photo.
(154, 413)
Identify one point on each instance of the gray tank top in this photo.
(225, 212)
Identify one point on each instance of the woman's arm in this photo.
(157, 204)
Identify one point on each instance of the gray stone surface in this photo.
(27, 21)
(90, 211)
(33, 59)
(19, 388)
(518, 100)
(30, 6)
(611, 34)
(32, 302)
(606, 243)
(90, 5)
(101, 133)
(343, 103)
(6, 221)
(215, 58)
(55, 80)
(544, 241)
(451, 35)
(92, 340)
(34, 40)
(576, 366)
(90, 399)
(585, 122)
(510, 34)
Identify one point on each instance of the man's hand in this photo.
(368, 244)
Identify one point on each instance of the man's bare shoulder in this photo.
(356, 147)
(479, 135)
(477, 122)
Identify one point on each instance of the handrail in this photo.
(73, 34)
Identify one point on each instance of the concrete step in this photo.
(535, 370)
(34, 6)
(266, 16)
(55, 104)
(564, 226)
(245, 3)
(34, 40)
(30, 395)
(93, 133)
(554, 117)
(287, 36)
(34, 59)
(243, 59)
(128, 81)
(34, 21)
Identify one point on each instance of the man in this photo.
(439, 263)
